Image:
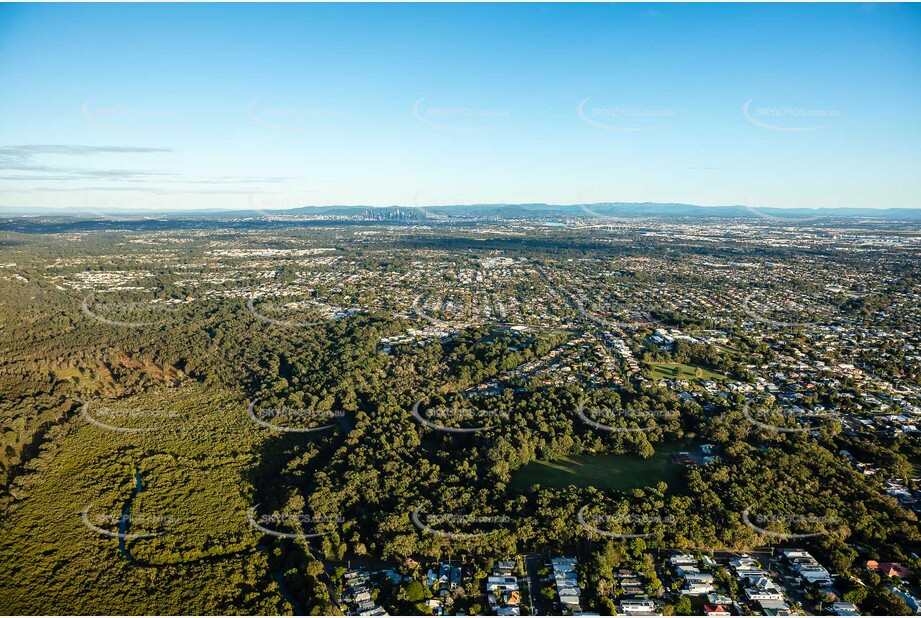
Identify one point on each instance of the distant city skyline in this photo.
(240, 106)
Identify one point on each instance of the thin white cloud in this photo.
(76, 150)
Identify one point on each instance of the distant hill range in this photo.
(614, 209)
(498, 211)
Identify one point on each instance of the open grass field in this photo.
(620, 472)
(679, 371)
(734, 353)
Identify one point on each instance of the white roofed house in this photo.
(817, 575)
(793, 554)
(502, 589)
(750, 574)
(638, 607)
(502, 582)
(718, 599)
(763, 589)
(569, 599)
(564, 564)
(567, 583)
(682, 560)
(744, 563)
(696, 582)
(843, 608)
(807, 568)
(774, 607)
(571, 591)
(566, 579)
(697, 588)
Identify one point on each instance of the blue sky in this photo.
(272, 106)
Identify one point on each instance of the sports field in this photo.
(605, 471)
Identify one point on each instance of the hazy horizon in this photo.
(85, 210)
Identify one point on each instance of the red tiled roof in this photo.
(892, 569)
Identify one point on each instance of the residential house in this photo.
(842, 608)
(774, 607)
(891, 569)
(638, 607)
(913, 603)
(763, 589)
